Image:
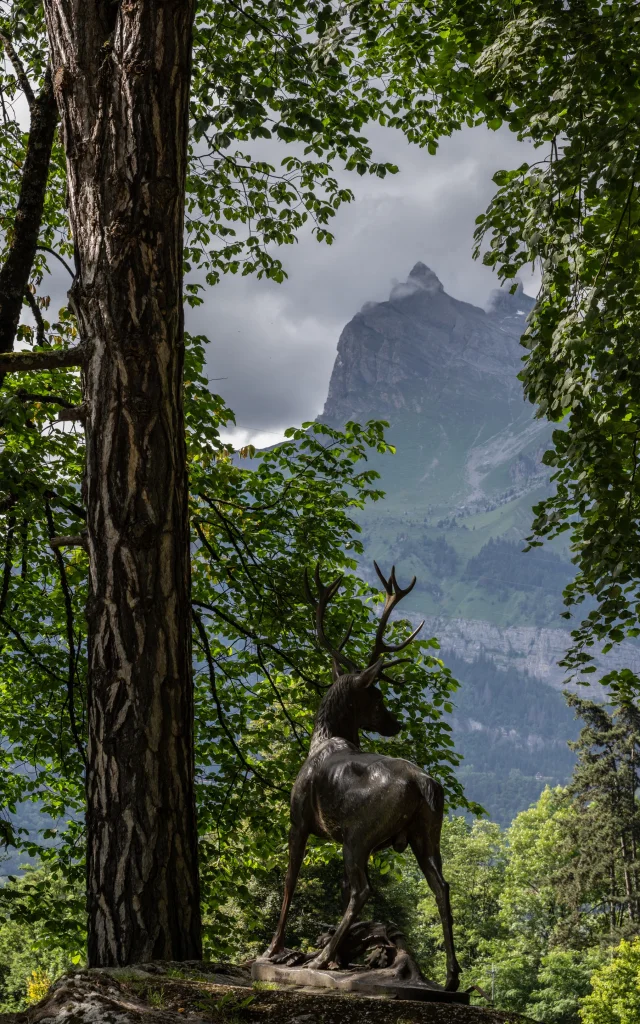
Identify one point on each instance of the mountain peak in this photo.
(399, 358)
(425, 276)
(502, 303)
(421, 278)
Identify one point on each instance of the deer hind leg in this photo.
(355, 868)
(345, 891)
(297, 844)
(427, 852)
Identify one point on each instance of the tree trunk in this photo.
(121, 76)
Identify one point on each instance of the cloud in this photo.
(275, 344)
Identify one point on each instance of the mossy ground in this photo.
(168, 994)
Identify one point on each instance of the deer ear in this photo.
(369, 676)
(336, 670)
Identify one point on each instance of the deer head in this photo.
(354, 702)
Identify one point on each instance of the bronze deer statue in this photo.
(365, 801)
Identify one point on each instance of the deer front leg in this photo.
(297, 844)
(355, 866)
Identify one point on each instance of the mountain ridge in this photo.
(413, 358)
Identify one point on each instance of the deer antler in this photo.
(395, 593)
(325, 595)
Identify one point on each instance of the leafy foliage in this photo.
(564, 978)
(531, 905)
(30, 958)
(615, 998)
(309, 74)
(565, 77)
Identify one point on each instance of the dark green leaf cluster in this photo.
(601, 881)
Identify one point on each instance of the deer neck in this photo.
(335, 719)
(320, 736)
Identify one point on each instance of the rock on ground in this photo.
(202, 993)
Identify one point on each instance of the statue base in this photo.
(388, 969)
(361, 980)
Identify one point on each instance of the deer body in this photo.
(341, 787)
(364, 801)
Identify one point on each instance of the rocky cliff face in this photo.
(526, 648)
(412, 349)
(444, 374)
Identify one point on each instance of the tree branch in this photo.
(77, 540)
(204, 639)
(51, 359)
(66, 503)
(280, 700)
(29, 396)
(72, 414)
(27, 650)
(227, 529)
(68, 605)
(7, 503)
(259, 640)
(37, 316)
(15, 273)
(19, 68)
(47, 248)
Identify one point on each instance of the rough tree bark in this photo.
(121, 75)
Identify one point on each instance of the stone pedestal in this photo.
(377, 982)
(387, 968)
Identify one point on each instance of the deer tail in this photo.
(433, 793)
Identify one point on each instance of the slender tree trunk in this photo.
(628, 888)
(16, 270)
(121, 76)
(612, 904)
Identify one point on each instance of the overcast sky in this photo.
(275, 344)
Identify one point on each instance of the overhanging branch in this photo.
(18, 67)
(72, 414)
(259, 640)
(45, 399)
(51, 359)
(204, 641)
(76, 540)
